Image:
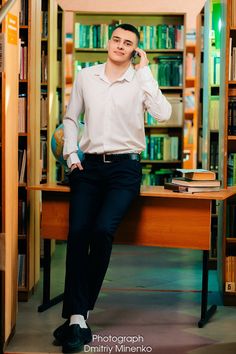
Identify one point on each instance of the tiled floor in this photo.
(150, 302)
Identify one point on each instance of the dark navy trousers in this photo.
(100, 195)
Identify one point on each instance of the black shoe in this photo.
(77, 337)
(60, 333)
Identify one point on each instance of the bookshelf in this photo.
(9, 61)
(210, 93)
(28, 148)
(164, 141)
(23, 148)
(211, 87)
(2, 236)
(44, 94)
(227, 166)
(52, 85)
(192, 96)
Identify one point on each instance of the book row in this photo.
(23, 15)
(43, 152)
(232, 60)
(23, 61)
(176, 102)
(44, 66)
(215, 68)
(231, 220)
(21, 165)
(21, 270)
(155, 178)
(190, 65)
(168, 69)
(231, 167)
(151, 37)
(43, 111)
(22, 223)
(22, 113)
(232, 116)
(230, 274)
(44, 24)
(233, 13)
(214, 155)
(161, 147)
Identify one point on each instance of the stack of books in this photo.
(194, 181)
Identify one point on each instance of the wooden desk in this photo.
(158, 217)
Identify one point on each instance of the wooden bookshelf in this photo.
(52, 84)
(192, 96)
(23, 150)
(227, 167)
(9, 175)
(95, 52)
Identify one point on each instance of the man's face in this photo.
(121, 45)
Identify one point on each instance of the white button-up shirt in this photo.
(113, 112)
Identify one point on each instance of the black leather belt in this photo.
(106, 158)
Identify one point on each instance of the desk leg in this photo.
(47, 302)
(206, 314)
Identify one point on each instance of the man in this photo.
(113, 97)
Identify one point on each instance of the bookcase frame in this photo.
(9, 177)
(192, 116)
(227, 145)
(55, 14)
(99, 54)
(24, 240)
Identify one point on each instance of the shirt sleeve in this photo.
(154, 101)
(70, 122)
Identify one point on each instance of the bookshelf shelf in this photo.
(231, 240)
(161, 161)
(22, 237)
(191, 46)
(162, 127)
(176, 88)
(22, 185)
(149, 51)
(22, 289)
(227, 172)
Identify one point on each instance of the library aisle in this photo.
(151, 293)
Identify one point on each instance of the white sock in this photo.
(78, 319)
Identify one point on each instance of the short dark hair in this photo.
(128, 27)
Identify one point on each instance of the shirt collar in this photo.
(128, 75)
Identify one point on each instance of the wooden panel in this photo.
(134, 19)
(149, 191)
(10, 175)
(2, 252)
(161, 222)
(34, 141)
(55, 216)
(151, 221)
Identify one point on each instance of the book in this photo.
(198, 174)
(182, 181)
(186, 189)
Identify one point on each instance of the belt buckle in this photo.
(104, 159)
